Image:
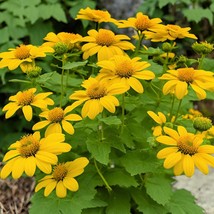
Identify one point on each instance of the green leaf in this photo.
(99, 150)
(159, 188)
(71, 65)
(183, 202)
(145, 204)
(119, 201)
(196, 14)
(32, 14)
(137, 162)
(208, 64)
(120, 177)
(163, 3)
(111, 120)
(4, 35)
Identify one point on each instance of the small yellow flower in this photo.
(193, 113)
(185, 151)
(56, 118)
(95, 15)
(62, 40)
(160, 119)
(22, 55)
(122, 69)
(98, 94)
(140, 23)
(105, 43)
(30, 152)
(25, 100)
(62, 178)
(179, 80)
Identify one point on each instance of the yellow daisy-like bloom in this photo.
(140, 23)
(95, 15)
(25, 100)
(21, 55)
(160, 119)
(63, 178)
(105, 43)
(56, 118)
(70, 40)
(185, 152)
(180, 79)
(168, 32)
(30, 152)
(98, 95)
(123, 69)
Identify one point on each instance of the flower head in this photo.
(140, 23)
(105, 43)
(95, 15)
(30, 152)
(203, 47)
(202, 123)
(185, 151)
(63, 178)
(22, 56)
(25, 100)
(62, 42)
(160, 119)
(98, 94)
(179, 80)
(56, 119)
(122, 69)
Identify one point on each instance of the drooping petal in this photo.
(188, 166)
(71, 184)
(163, 153)
(200, 163)
(67, 127)
(172, 159)
(44, 166)
(18, 168)
(30, 166)
(181, 89)
(42, 184)
(46, 157)
(61, 191)
(107, 104)
(182, 131)
(50, 187)
(40, 125)
(206, 149)
(135, 84)
(171, 132)
(154, 117)
(11, 154)
(28, 112)
(53, 128)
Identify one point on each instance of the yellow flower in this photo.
(30, 152)
(160, 119)
(56, 118)
(185, 152)
(140, 23)
(122, 69)
(69, 40)
(162, 33)
(95, 15)
(193, 113)
(25, 100)
(62, 178)
(209, 134)
(98, 95)
(22, 55)
(105, 43)
(180, 79)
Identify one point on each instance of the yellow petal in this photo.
(188, 165)
(40, 125)
(18, 168)
(182, 131)
(43, 166)
(181, 89)
(67, 127)
(73, 117)
(166, 140)
(28, 112)
(107, 104)
(46, 157)
(50, 187)
(71, 184)
(178, 168)
(42, 184)
(11, 154)
(206, 149)
(155, 117)
(172, 159)
(163, 153)
(201, 94)
(135, 84)
(171, 132)
(53, 128)
(200, 163)
(169, 86)
(61, 191)
(7, 169)
(30, 166)
(11, 111)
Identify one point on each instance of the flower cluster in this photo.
(113, 69)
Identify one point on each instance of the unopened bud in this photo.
(202, 123)
(60, 48)
(167, 47)
(203, 47)
(33, 72)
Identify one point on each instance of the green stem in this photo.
(179, 106)
(102, 177)
(138, 44)
(201, 61)
(62, 84)
(123, 113)
(172, 106)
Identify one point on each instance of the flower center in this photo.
(96, 91)
(185, 145)
(56, 115)
(29, 146)
(25, 98)
(186, 74)
(22, 52)
(105, 37)
(124, 69)
(142, 22)
(60, 172)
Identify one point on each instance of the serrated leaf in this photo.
(120, 177)
(99, 150)
(32, 14)
(163, 3)
(183, 202)
(196, 14)
(127, 138)
(119, 202)
(111, 120)
(71, 65)
(140, 162)
(159, 188)
(145, 204)
(4, 35)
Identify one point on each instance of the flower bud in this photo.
(60, 48)
(167, 47)
(33, 72)
(202, 123)
(203, 47)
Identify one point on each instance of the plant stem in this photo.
(102, 177)
(179, 106)
(201, 61)
(172, 106)
(140, 35)
(123, 113)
